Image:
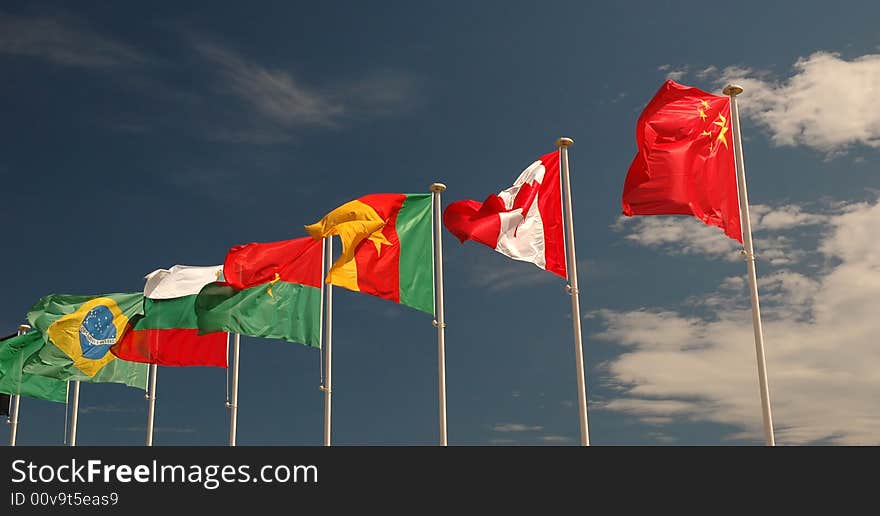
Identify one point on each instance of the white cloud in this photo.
(734, 283)
(380, 93)
(821, 345)
(706, 72)
(274, 94)
(270, 103)
(555, 439)
(829, 103)
(678, 235)
(788, 289)
(661, 437)
(516, 427)
(676, 74)
(783, 217)
(63, 40)
(496, 273)
(647, 407)
(664, 330)
(687, 235)
(275, 102)
(109, 408)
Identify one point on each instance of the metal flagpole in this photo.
(732, 90)
(227, 370)
(327, 307)
(233, 407)
(13, 431)
(66, 409)
(16, 401)
(151, 411)
(564, 144)
(440, 320)
(74, 413)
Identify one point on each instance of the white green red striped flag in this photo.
(168, 332)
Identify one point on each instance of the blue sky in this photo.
(136, 139)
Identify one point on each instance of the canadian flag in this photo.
(523, 222)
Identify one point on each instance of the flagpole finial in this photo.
(438, 187)
(732, 90)
(564, 142)
(24, 327)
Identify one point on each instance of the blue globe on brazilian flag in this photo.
(78, 331)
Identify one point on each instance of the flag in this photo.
(523, 222)
(685, 165)
(270, 290)
(168, 333)
(15, 351)
(387, 247)
(77, 333)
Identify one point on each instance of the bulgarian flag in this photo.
(168, 333)
(387, 247)
(523, 222)
(271, 290)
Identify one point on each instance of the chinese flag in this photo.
(685, 164)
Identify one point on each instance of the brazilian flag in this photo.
(77, 333)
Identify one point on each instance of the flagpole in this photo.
(440, 320)
(233, 407)
(327, 307)
(13, 431)
(16, 400)
(66, 408)
(564, 144)
(74, 413)
(732, 90)
(151, 412)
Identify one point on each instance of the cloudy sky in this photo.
(140, 138)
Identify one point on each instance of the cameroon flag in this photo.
(271, 290)
(15, 351)
(77, 333)
(387, 248)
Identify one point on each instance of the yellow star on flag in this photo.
(723, 125)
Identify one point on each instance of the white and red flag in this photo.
(523, 222)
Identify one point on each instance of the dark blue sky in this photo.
(139, 137)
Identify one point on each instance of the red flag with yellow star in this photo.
(272, 289)
(685, 164)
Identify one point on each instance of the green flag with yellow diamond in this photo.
(78, 331)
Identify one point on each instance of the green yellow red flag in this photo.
(387, 247)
